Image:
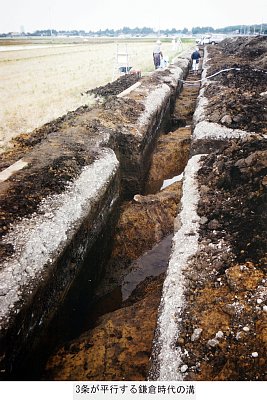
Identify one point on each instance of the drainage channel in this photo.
(113, 331)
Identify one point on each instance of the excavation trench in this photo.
(211, 321)
(90, 205)
(113, 331)
(92, 197)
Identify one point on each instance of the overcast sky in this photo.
(31, 15)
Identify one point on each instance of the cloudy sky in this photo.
(31, 15)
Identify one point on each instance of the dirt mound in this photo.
(237, 97)
(250, 48)
(115, 87)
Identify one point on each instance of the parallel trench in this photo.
(126, 282)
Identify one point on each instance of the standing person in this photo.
(157, 54)
(195, 56)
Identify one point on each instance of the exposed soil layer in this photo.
(223, 335)
(172, 150)
(118, 347)
(237, 98)
(169, 158)
(143, 222)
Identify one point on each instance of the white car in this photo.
(210, 39)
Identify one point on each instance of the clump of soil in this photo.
(115, 87)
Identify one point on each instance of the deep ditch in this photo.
(129, 292)
(134, 272)
(83, 202)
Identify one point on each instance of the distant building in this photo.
(15, 34)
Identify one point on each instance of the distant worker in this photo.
(195, 56)
(164, 62)
(157, 54)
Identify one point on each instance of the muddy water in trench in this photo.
(151, 264)
(119, 322)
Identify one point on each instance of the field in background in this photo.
(41, 83)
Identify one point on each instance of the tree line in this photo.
(146, 31)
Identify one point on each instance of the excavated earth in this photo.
(118, 334)
(115, 87)
(237, 98)
(223, 329)
(223, 333)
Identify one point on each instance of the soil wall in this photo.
(61, 188)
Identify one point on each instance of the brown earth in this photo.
(144, 222)
(119, 347)
(169, 158)
(227, 302)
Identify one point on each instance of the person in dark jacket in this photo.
(195, 56)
